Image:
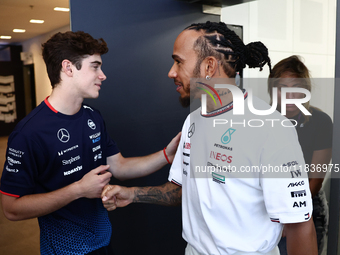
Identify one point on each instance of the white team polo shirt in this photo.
(226, 209)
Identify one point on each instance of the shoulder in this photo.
(91, 111)
(34, 118)
(318, 115)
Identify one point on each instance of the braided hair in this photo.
(222, 43)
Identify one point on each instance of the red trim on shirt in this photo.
(176, 183)
(12, 195)
(49, 105)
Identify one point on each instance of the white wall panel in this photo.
(237, 15)
(331, 27)
(310, 26)
(271, 21)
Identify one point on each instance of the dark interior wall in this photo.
(333, 247)
(13, 66)
(140, 104)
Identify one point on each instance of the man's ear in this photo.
(66, 67)
(211, 66)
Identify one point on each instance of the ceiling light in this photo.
(61, 9)
(38, 21)
(5, 37)
(16, 30)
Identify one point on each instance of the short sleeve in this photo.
(20, 170)
(183, 149)
(285, 182)
(111, 145)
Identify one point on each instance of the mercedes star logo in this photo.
(63, 135)
(191, 130)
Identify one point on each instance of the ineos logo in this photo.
(91, 124)
(63, 135)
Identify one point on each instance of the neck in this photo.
(64, 102)
(226, 98)
(224, 94)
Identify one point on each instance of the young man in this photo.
(60, 156)
(230, 211)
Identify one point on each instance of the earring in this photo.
(207, 77)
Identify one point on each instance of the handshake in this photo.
(114, 196)
(168, 194)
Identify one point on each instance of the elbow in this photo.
(122, 178)
(9, 210)
(119, 175)
(11, 215)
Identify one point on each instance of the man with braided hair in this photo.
(225, 210)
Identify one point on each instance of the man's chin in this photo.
(185, 101)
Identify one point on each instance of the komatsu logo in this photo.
(78, 168)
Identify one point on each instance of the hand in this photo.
(114, 196)
(172, 147)
(92, 183)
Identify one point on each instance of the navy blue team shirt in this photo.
(49, 150)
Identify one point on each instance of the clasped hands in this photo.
(114, 196)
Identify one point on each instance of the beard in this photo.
(187, 100)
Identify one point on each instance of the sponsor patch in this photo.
(70, 161)
(296, 184)
(300, 204)
(12, 162)
(11, 170)
(76, 169)
(15, 153)
(300, 193)
(95, 148)
(218, 178)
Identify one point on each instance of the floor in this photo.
(16, 237)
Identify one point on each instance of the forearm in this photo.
(167, 194)
(301, 238)
(135, 167)
(320, 159)
(36, 205)
(315, 185)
